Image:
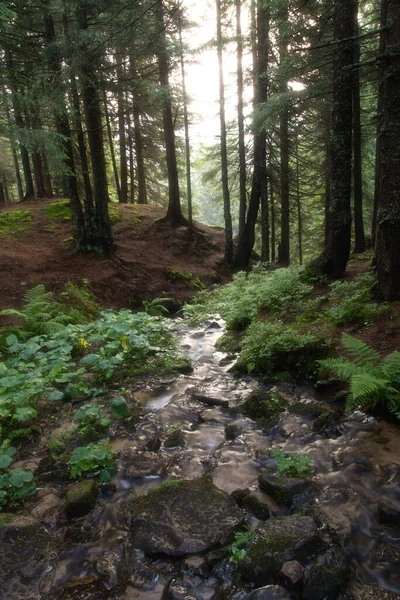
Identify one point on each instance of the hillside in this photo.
(150, 260)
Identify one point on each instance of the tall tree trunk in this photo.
(388, 221)
(77, 121)
(186, 125)
(174, 212)
(284, 246)
(123, 162)
(223, 147)
(131, 160)
(327, 175)
(70, 183)
(38, 174)
(141, 172)
(273, 221)
(18, 176)
(2, 194)
(260, 43)
(298, 202)
(111, 146)
(359, 237)
(242, 148)
(334, 260)
(48, 187)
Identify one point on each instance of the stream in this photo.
(355, 466)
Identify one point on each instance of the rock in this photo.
(388, 514)
(49, 470)
(283, 489)
(233, 431)
(328, 576)
(270, 592)
(252, 503)
(323, 422)
(368, 592)
(142, 464)
(309, 410)
(175, 439)
(14, 527)
(190, 588)
(262, 405)
(186, 517)
(81, 498)
(153, 445)
(291, 575)
(325, 385)
(276, 542)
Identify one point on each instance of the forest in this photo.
(199, 299)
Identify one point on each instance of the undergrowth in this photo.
(14, 222)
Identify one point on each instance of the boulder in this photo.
(252, 503)
(81, 498)
(283, 489)
(291, 575)
(233, 431)
(388, 514)
(328, 576)
(276, 542)
(368, 592)
(270, 592)
(142, 464)
(183, 517)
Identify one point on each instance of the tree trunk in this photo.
(284, 246)
(359, 237)
(111, 146)
(298, 201)
(141, 173)
(123, 163)
(260, 42)
(186, 125)
(2, 194)
(327, 175)
(241, 140)
(223, 147)
(38, 174)
(48, 187)
(388, 221)
(273, 224)
(18, 176)
(131, 160)
(174, 213)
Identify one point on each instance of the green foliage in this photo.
(113, 213)
(92, 421)
(188, 277)
(80, 302)
(119, 408)
(292, 464)
(15, 484)
(240, 302)
(372, 379)
(156, 307)
(14, 222)
(59, 210)
(352, 301)
(93, 459)
(240, 545)
(273, 347)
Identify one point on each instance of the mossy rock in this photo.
(233, 431)
(325, 420)
(283, 489)
(183, 517)
(252, 503)
(369, 592)
(81, 498)
(328, 577)
(57, 447)
(263, 405)
(309, 410)
(388, 514)
(231, 341)
(175, 439)
(277, 541)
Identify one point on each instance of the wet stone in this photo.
(325, 421)
(283, 489)
(252, 503)
(388, 514)
(270, 592)
(163, 523)
(142, 464)
(153, 445)
(291, 575)
(191, 588)
(328, 576)
(232, 431)
(368, 592)
(81, 498)
(175, 439)
(276, 542)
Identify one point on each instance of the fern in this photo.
(372, 379)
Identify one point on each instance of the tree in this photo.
(388, 221)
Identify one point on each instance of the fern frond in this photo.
(390, 366)
(364, 355)
(366, 389)
(339, 367)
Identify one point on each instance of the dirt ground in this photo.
(145, 252)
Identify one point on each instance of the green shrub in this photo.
(93, 459)
(291, 464)
(240, 545)
(80, 302)
(15, 484)
(372, 379)
(269, 348)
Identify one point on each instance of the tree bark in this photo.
(2, 194)
(111, 146)
(284, 246)
(38, 174)
(123, 163)
(223, 146)
(241, 140)
(388, 221)
(359, 237)
(273, 224)
(186, 125)
(174, 212)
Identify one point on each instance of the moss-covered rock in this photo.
(252, 503)
(231, 341)
(277, 541)
(262, 406)
(175, 439)
(309, 410)
(283, 489)
(325, 420)
(135, 463)
(81, 498)
(232, 431)
(388, 514)
(368, 592)
(183, 517)
(328, 577)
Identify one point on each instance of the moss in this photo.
(326, 419)
(310, 410)
(13, 222)
(263, 406)
(174, 439)
(231, 341)
(6, 518)
(57, 447)
(81, 498)
(58, 210)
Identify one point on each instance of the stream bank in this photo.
(208, 474)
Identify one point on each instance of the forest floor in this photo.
(150, 260)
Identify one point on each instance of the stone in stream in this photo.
(233, 431)
(276, 542)
(328, 577)
(262, 405)
(252, 503)
(291, 575)
(175, 439)
(142, 464)
(154, 444)
(81, 498)
(388, 514)
(284, 489)
(270, 592)
(190, 588)
(183, 517)
(368, 592)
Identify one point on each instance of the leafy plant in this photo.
(188, 277)
(292, 464)
(372, 379)
(156, 307)
(240, 545)
(93, 459)
(92, 421)
(15, 484)
(119, 408)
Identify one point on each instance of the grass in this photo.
(14, 222)
(58, 210)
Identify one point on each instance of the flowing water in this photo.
(355, 466)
